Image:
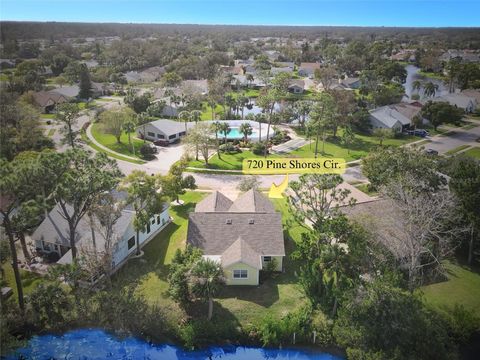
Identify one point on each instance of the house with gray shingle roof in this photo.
(244, 235)
(397, 116)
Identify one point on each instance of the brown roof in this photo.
(215, 226)
(407, 110)
(297, 82)
(307, 65)
(240, 251)
(216, 201)
(472, 93)
(46, 98)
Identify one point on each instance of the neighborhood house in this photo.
(52, 236)
(166, 130)
(244, 235)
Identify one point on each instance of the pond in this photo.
(89, 344)
(413, 74)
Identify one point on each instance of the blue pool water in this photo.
(87, 344)
(236, 134)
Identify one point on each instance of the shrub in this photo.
(200, 332)
(258, 148)
(147, 152)
(229, 148)
(247, 183)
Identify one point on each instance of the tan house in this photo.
(244, 235)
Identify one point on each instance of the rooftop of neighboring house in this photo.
(391, 114)
(297, 82)
(238, 231)
(46, 98)
(68, 91)
(310, 66)
(168, 127)
(460, 100)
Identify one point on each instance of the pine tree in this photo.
(85, 83)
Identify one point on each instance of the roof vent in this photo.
(251, 221)
(229, 221)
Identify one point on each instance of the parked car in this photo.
(431, 152)
(418, 132)
(161, 142)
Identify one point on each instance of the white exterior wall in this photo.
(121, 251)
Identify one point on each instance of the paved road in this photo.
(458, 138)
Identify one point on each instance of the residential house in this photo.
(52, 236)
(278, 70)
(475, 94)
(199, 87)
(296, 86)
(167, 130)
(48, 100)
(244, 235)
(350, 83)
(462, 101)
(397, 116)
(308, 69)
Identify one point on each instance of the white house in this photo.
(167, 130)
(396, 117)
(52, 236)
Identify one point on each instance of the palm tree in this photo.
(212, 103)
(260, 118)
(207, 279)
(217, 128)
(416, 85)
(185, 116)
(230, 102)
(142, 119)
(242, 101)
(196, 116)
(225, 130)
(430, 89)
(246, 130)
(129, 128)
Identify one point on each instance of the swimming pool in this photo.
(236, 134)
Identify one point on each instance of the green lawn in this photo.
(277, 296)
(361, 147)
(228, 161)
(473, 152)
(364, 188)
(51, 132)
(462, 287)
(363, 144)
(47, 116)
(110, 141)
(457, 149)
(29, 280)
(110, 154)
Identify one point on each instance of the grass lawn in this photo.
(207, 111)
(110, 154)
(110, 141)
(362, 146)
(149, 273)
(47, 116)
(473, 152)
(29, 280)
(51, 132)
(228, 161)
(365, 189)
(462, 287)
(247, 305)
(457, 149)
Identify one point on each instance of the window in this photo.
(131, 242)
(153, 221)
(151, 134)
(160, 136)
(240, 274)
(267, 258)
(158, 219)
(228, 221)
(148, 228)
(172, 136)
(251, 221)
(182, 133)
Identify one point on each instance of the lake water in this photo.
(88, 344)
(412, 75)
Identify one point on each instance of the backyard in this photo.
(276, 296)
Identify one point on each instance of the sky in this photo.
(424, 13)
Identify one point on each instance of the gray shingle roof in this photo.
(216, 201)
(240, 251)
(211, 233)
(168, 127)
(251, 217)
